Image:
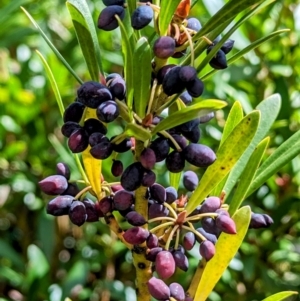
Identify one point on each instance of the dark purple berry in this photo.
(225, 224)
(175, 161)
(219, 61)
(152, 241)
(117, 87)
(97, 138)
(92, 214)
(209, 225)
(149, 178)
(171, 195)
(189, 240)
(123, 146)
(161, 148)
(211, 204)
(208, 236)
(148, 158)
(141, 16)
(190, 180)
(60, 205)
(108, 111)
(69, 127)
(74, 112)
(172, 84)
(151, 255)
(53, 185)
(102, 150)
(158, 193)
(164, 47)
(180, 140)
(132, 176)
(187, 73)
(107, 20)
(257, 221)
(135, 235)
(186, 98)
(157, 210)
(195, 87)
(193, 135)
(199, 155)
(93, 125)
(117, 168)
(77, 213)
(72, 189)
(63, 170)
(181, 260)
(123, 199)
(113, 2)
(162, 72)
(135, 219)
(207, 117)
(78, 141)
(227, 46)
(105, 205)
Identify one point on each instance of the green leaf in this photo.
(234, 117)
(137, 131)
(197, 110)
(167, 10)
(11, 7)
(174, 179)
(142, 70)
(86, 35)
(60, 57)
(92, 166)
(269, 109)
(227, 156)
(8, 252)
(226, 247)
(127, 50)
(53, 83)
(281, 156)
(38, 265)
(248, 175)
(281, 296)
(247, 49)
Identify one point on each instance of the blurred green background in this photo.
(46, 258)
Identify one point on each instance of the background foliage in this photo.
(46, 258)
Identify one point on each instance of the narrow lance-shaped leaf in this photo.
(175, 179)
(142, 70)
(92, 166)
(234, 117)
(226, 247)
(57, 53)
(282, 296)
(227, 156)
(137, 131)
(248, 175)
(197, 110)
(281, 156)
(167, 9)
(269, 109)
(86, 35)
(127, 50)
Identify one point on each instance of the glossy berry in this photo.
(171, 195)
(136, 235)
(135, 219)
(152, 241)
(117, 168)
(63, 170)
(227, 46)
(199, 155)
(157, 210)
(161, 148)
(132, 176)
(92, 94)
(69, 127)
(105, 205)
(207, 250)
(78, 141)
(117, 87)
(108, 111)
(141, 16)
(97, 138)
(164, 47)
(60, 205)
(177, 291)
(195, 87)
(187, 73)
(92, 213)
(93, 125)
(158, 193)
(190, 180)
(148, 158)
(123, 199)
(219, 60)
(107, 20)
(189, 240)
(172, 84)
(165, 264)
(158, 289)
(162, 72)
(151, 255)
(192, 135)
(149, 178)
(175, 161)
(225, 224)
(211, 204)
(194, 24)
(74, 112)
(113, 2)
(72, 189)
(181, 260)
(209, 225)
(122, 147)
(77, 213)
(102, 150)
(53, 185)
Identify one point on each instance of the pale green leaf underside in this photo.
(291, 295)
(226, 247)
(227, 156)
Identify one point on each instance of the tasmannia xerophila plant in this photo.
(161, 109)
